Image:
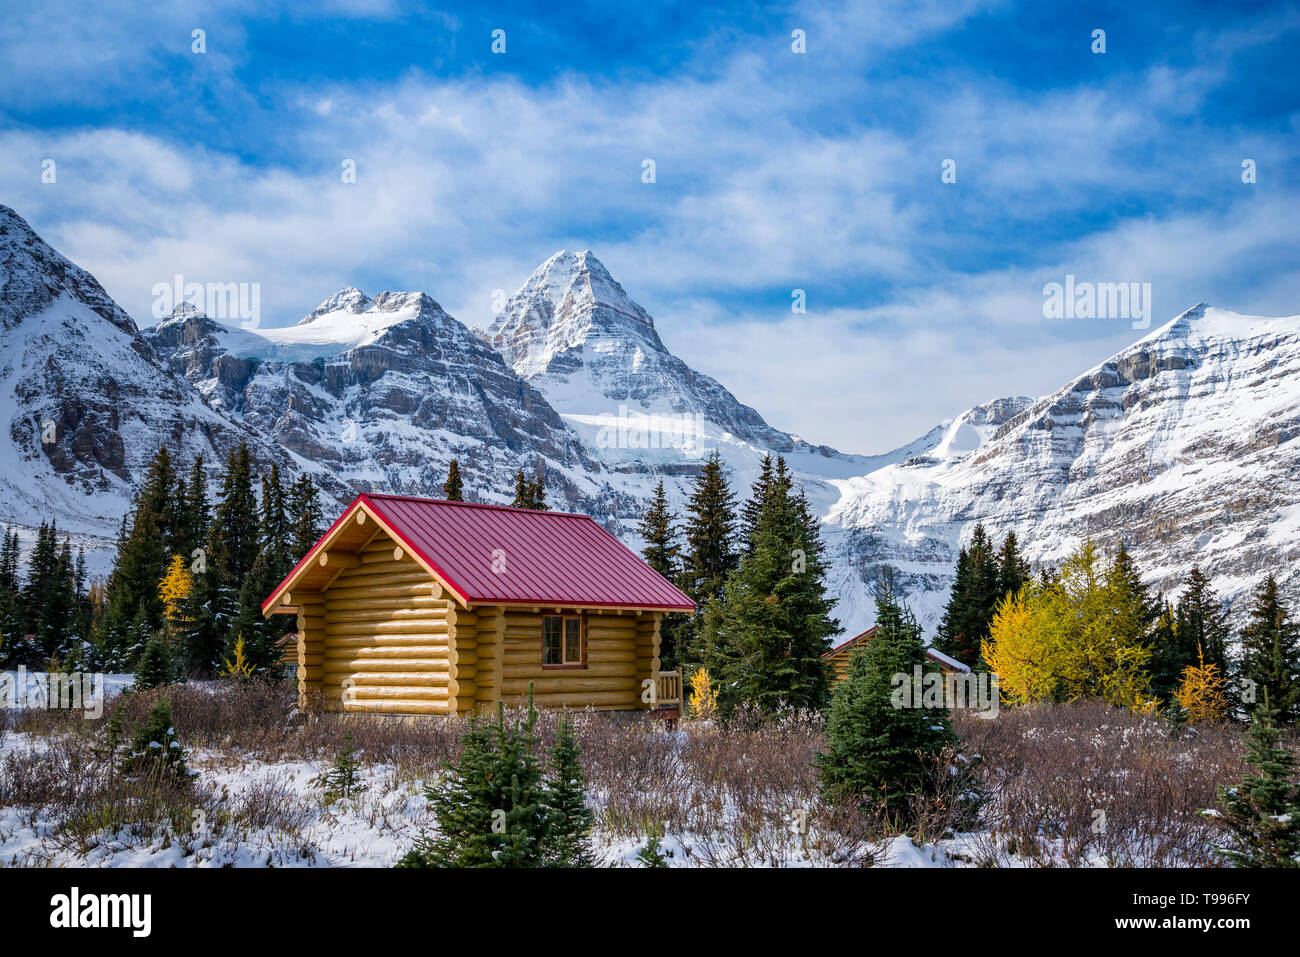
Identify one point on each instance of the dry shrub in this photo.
(1088, 783)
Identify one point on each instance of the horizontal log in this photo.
(386, 651)
(385, 614)
(379, 580)
(344, 666)
(425, 626)
(399, 590)
(437, 644)
(338, 560)
(303, 598)
(621, 700)
(369, 693)
(419, 679)
(536, 673)
(396, 707)
(569, 686)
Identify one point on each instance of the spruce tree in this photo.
(523, 491)
(1201, 620)
(155, 751)
(973, 601)
(709, 529)
(663, 553)
(305, 517)
(233, 544)
(491, 808)
(1263, 812)
(155, 667)
(453, 488)
(1013, 571)
(568, 838)
(874, 748)
(537, 492)
(1270, 652)
(194, 515)
(765, 639)
(753, 507)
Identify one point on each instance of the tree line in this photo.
(1091, 628)
(757, 572)
(188, 579)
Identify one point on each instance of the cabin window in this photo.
(562, 644)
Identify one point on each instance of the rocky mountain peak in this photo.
(347, 299)
(33, 275)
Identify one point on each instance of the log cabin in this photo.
(837, 659)
(412, 606)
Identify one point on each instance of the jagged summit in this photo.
(348, 299)
(574, 333)
(33, 275)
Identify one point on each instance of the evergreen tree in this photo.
(155, 750)
(275, 532)
(305, 517)
(453, 488)
(1201, 621)
(1013, 571)
(234, 542)
(194, 516)
(766, 636)
(523, 491)
(491, 808)
(530, 493)
(1170, 654)
(159, 495)
(663, 554)
(974, 599)
(568, 839)
(1263, 812)
(155, 667)
(710, 524)
(1270, 652)
(537, 492)
(753, 507)
(873, 747)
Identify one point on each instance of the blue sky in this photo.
(775, 171)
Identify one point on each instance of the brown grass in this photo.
(1065, 785)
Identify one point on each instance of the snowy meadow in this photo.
(1058, 785)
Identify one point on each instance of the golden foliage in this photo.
(176, 585)
(240, 666)
(1077, 636)
(1201, 694)
(704, 696)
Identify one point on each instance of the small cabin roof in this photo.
(932, 653)
(497, 555)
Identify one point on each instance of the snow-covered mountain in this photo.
(1185, 446)
(574, 334)
(384, 392)
(84, 403)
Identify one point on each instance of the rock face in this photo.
(575, 334)
(1183, 446)
(87, 403)
(383, 393)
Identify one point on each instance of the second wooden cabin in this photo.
(419, 606)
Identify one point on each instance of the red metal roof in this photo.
(491, 554)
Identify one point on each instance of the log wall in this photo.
(622, 651)
(388, 638)
(382, 637)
